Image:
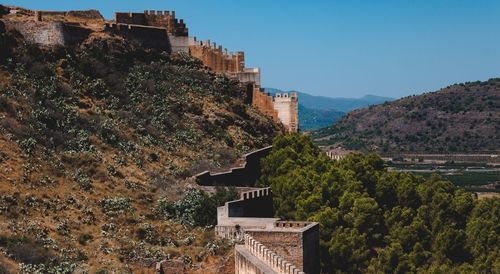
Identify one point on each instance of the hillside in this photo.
(459, 118)
(319, 111)
(96, 144)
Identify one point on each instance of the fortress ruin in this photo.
(158, 30)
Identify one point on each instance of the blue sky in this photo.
(340, 48)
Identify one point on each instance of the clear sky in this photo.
(339, 48)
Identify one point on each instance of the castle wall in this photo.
(49, 34)
(256, 257)
(81, 14)
(41, 33)
(257, 203)
(287, 107)
(246, 175)
(297, 242)
(249, 75)
(247, 263)
(264, 103)
(180, 44)
(216, 58)
(153, 18)
(310, 246)
(148, 37)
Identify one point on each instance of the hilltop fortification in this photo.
(157, 30)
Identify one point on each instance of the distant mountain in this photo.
(339, 103)
(320, 111)
(310, 118)
(336, 103)
(459, 118)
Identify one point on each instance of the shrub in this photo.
(84, 238)
(116, 205)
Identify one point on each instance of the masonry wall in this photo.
(148, 37)
(299, 247)
(286, 244)
(49, 34)
(286, 104)
(83, 14)
(240, 176)
(216, 58)
(264, 103)
(310, 244)
(162, 19)
(246, 263)
(257, 204)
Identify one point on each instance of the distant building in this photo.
(336, 153)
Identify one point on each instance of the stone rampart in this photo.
(263, 101)
(49, 34)
(258, 203)
(282, 107)
(245, 175)
(252, 216)
(148, 37)
(298, 242)
(266, 259)
(153, 18)
(216, 57)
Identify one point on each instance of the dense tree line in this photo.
(377, 221)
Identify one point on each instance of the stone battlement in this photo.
(250, 218)
(244, 175)
(270, 258)
(163, 19)
(281, 107)
(255, 193)
(159, 30)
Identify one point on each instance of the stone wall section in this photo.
(282, 107)
(153, 18)
(295, 242)
(264, 102)
(48, 34)
(274, 261)
(244, 175)
(148, 37)
(217, 58)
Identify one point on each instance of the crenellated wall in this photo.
(217, 58)
(250, 218)
(255, 257)
(263, 101)
(286, 104)
(153, 18)
(245, 175)
(282, 107)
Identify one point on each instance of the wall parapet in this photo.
(270, 258)
(244, 175)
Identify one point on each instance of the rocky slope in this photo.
(96, 143)
(459, 118)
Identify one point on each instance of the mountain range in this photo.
(461, 118)
(321, 111)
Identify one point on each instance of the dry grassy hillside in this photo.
(459, 118)
(96, 143)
